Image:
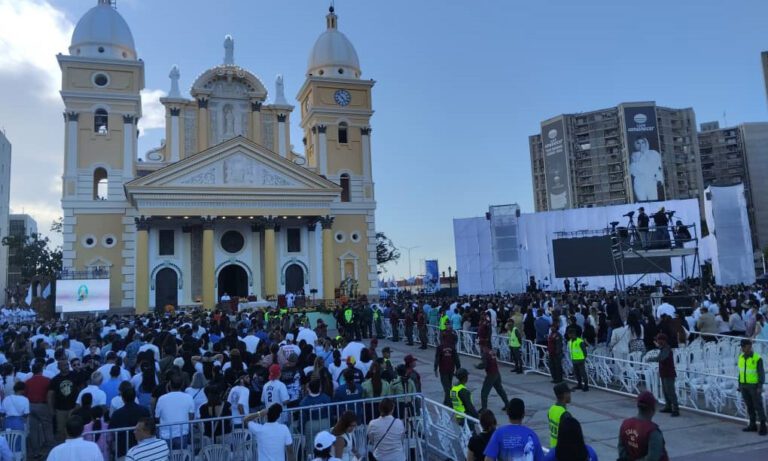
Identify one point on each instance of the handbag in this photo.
(370, 453)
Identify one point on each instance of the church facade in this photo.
(224, 205)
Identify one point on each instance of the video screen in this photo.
(82, 295)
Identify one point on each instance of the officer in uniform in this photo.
(446, 362)
(444, 320)
(421, 324)
(348, 322)
(514, 341)
(751, 380)
(639, 437)
(578, 352)
(461, 398)
(557, 411)
(408, 323)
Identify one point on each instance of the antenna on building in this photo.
(725, 120)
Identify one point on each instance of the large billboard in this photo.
(645, 167)
(431, 276)
(569, 259)
(82, 295)
(556, 164)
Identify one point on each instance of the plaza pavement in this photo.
(691, 437)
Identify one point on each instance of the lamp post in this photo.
(450, 280)
(410, 275)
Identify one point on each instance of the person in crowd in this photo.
(446, 363)
(667, 374)
(315, 419)
(41, 417)
(736, 323)
(148, 447)
(386, 434)
(619, 339)
(706, 325)
(514, 341)
(127, 415)
(751, 381)
(577, 349)
(16, 408)
(75, 447)
(410, 371)
(479, 442)
(461, 397)
(514, 441)
(97, 424)
(557, 411)
(344, 447)
(174, 410)
(570, 444)
(218, 410)
(273, 439)
(490, 364)
(323, 446)
(62, 395)
(555, 351)
(639, 437)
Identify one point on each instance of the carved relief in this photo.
(190, 132)
(268, 133)
(238, 170)
(204, 177)
(273, 179)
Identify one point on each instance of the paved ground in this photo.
(690, 437)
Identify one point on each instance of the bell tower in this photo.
(336, 110)
(101, 84)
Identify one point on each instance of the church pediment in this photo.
(237, 170)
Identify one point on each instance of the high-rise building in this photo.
(5, 198)
(19, 227)
(735, 155)
(634, 152)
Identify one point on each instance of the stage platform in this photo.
(659, 253)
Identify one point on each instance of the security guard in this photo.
(515, 340)
(751, 380)
(461, 398)
(557, 411)
(444, 320)
(578, 352)
(348, 322)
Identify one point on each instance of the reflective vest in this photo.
(348, 315)
(556, 412)
(748, 369)
(456, 402)
(376, 314)
(266, 317)
(443, 322)
(283, 312)
(513, 341)
(577, 353)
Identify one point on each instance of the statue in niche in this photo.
(229, 121)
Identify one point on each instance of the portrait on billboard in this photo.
(556, 164)
(645, 166)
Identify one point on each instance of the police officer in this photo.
(444, 319)
(377, 321)
(751, 380)
(557, 411)
(461, 398)
(348, 322)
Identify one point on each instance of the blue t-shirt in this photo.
(514, 443)
(552, 453)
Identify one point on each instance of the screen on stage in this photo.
(591, 256)
(82, 295)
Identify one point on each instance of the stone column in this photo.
(329, 267)
(323, 151)
(282, 147)
(313, 253)
(129, 136)
(141, 273)
(365, 134)
(70, 164)
(202, 124)
(256, 122)
(258, 271)
(270, 257)
(175, 141)
(209, 271)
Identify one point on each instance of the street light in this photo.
(410, 275)
(450, 280)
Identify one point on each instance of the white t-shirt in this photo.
(239, 395)
(15, 405)
(271, 440)
(99, 396)
(79, 449)
(199, 397)
(352, 349)
(251, 343)
(273, 392)
(308, 335)
(125, 375)
(174, 407)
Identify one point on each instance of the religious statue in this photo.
(174, 76)
(229, 120)
(280, 91)
(348, 287)
(229, 51)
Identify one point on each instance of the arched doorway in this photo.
(233, 280)
(294, 278)
(166, 288)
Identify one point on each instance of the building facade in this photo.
(633, 152)
(739, 155)
(224, 205)
(20, 226)
(5, 210)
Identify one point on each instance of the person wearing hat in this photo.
(461, 398)
(557, 411)
(447, 361)
(667, 374)
(413, 375)
(323, 446)
(751, 381)
(274, 391)
(387, 369)
(639, 437)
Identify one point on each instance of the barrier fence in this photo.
(706, 368)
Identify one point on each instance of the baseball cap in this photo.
(646, 400)
(324, 440)
(274, 371)
(289, 337)
(409, 359)
(561, 389)
(351, 360)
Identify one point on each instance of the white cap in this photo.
(324, 440)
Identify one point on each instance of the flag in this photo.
(28, 299)
(47, 291)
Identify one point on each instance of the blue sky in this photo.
(460, 84)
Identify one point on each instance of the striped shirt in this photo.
(151, 449)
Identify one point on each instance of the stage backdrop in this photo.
(474, 259)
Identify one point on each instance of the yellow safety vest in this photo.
(513, 341)
(577, 353)
(376, 314)
(283, 312)
(443, 322)
(348, 315)
(456, 402)
(556, 412)
(748, 369)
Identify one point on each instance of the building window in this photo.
(343, 132)
(101, 121)
(100, 184)
(294, 240)
(344, 183)
(166, 242)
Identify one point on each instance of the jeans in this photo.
(40, 426)
(670, 396)
(514, 352)
(754, 402)
(556, 369)
(580, 372)
(492, 381)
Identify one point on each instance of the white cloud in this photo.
(153, 112)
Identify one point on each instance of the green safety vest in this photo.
(456, 402)
(283, 312)
(266, 316)
(348, 315)
(443, 322)
(513, 341)
(554, 414)
(376, 314)
(574, 345)
(748, 369)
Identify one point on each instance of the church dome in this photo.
(333, 54)
(103, 33)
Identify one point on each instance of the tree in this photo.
(385, 250)
(33, 254)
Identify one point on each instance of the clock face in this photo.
(342, 97)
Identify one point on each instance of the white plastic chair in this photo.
(181, 455)
(215, 452)
(298, 445)
(361, 440)
(17, 441)
(240, 443)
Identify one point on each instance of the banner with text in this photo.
(431, 276)
(645, 166)
(556, 171)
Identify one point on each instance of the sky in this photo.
(460, 85)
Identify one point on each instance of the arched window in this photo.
(100, 184)
(101, 121)
(343, 132)
(344, 183)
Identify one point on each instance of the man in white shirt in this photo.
(75, 448)
(273, 439)
(99, 396)
(251, 342)
(175, 407)
(274, 391)
(307, 335)
(105, 369)
(238, 398)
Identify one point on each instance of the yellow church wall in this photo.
(232, 213)
(344, 156)
(95, 148)
(81, 77)
(100, 226)
(349, 224)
